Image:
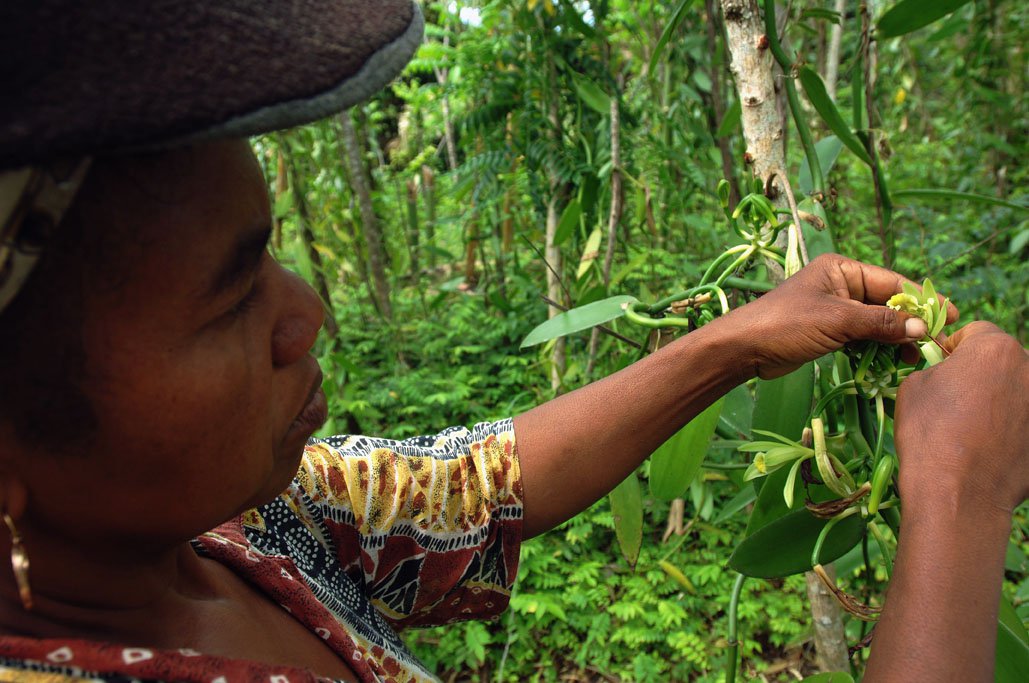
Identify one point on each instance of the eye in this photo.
(244, 305)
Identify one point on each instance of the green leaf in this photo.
(590, 252)
(910, 15)
(677, 16)
(568, 223)
(827, 149)
(823, 104)
(745, 497)
(627, 508)
(591, 94)
(939, 193)
(730, 120)
(1018, 242)
(782, 405)
(1012, 654)
(737, 413)
(783, 547)
(770, 505)
(577, 319)
(676, 462)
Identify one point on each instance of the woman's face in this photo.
(197, 346)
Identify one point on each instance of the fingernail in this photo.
(915, 328)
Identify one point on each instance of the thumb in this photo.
(882, 324)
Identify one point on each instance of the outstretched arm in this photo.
(961, 428)
(576, 448)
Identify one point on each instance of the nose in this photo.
(302, 315)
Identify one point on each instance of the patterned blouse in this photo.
(372, 536)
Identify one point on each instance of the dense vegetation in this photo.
(436, 218)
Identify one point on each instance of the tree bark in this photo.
(831, 652)
(613, 219)
(763, 125)
(429, 196)
(714, 27)
(413, 231)
(369, 221)
(832, 57)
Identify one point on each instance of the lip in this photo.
(314, 413)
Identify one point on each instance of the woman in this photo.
(159, 390)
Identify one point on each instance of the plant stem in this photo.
(787, 64)
(734, 644)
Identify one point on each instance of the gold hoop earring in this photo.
(19, 563)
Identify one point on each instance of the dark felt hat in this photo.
(81, 77)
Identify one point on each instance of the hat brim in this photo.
(105, 76)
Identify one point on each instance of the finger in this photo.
(882, 324)
(968, 331)
(862, 282)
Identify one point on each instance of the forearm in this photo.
(576, 448)
(940, 617)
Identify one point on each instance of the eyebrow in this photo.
(241, 261)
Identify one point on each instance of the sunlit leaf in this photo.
(568, 223)
(578, 319)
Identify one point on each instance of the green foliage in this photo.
(524, 95)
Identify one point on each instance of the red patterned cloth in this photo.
(373, 536)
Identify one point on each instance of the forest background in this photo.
(570, 150)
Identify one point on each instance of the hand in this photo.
(821, 308)
(962, 426)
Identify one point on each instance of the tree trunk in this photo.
(613, 218)
(831, 652)
(429, 195)
(369, 221)
(832, 57)
(281, 188)
(763, 124)
(714, 45)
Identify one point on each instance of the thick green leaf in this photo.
(578, 319)
(770, 504)
(730, 121)
(910, 15)
(823, 104)
(939, 193)
(568, 223)
(737, 413)
(783, 547)
(676, 462)
(1012, 654)
(677, 16)
(591, 94)
(827, 149)
(782, 405)
(627, 508)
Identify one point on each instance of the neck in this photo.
(95, 591)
